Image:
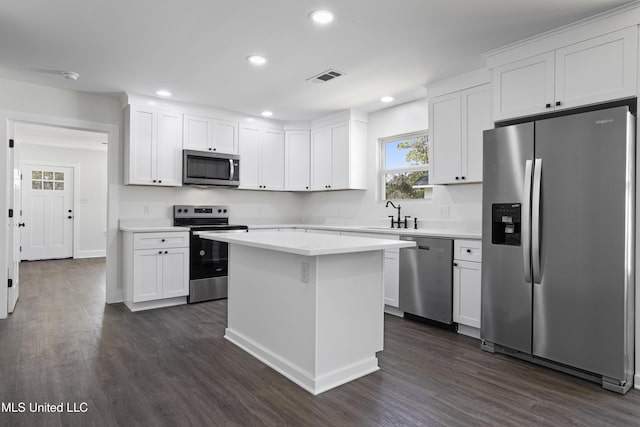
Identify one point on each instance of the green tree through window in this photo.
(405, 159)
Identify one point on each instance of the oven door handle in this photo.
(198, 233)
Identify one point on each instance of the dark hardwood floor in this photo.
(172, 367)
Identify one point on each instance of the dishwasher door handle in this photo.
(429, 248)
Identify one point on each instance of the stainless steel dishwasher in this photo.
(426, 278)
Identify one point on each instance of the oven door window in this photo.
(208, 258)
(208, 168)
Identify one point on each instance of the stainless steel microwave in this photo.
(210, 169)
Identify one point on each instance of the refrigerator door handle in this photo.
(526, 221)
(535, 221)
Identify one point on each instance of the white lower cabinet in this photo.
(155, 276)
(467, 271)
(391, 267)
(392, 277)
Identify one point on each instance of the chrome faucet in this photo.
(398, 222)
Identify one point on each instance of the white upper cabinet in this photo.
(446, 137)
(297, 160)
(261, 158)
(596, 70)
(153, 147)
(208, 134)
(321, 158)
(476, 118)
(523, 88)
(457, 121)
(339, 156)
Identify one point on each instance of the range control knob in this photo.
(225, 211)
(179, 210)
(219, 210)
(186, 210)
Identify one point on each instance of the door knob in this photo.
(21, 224)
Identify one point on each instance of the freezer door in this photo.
(586, 186)
(506, 295)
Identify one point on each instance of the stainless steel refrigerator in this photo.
(558, 244)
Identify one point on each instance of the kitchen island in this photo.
(308, 305)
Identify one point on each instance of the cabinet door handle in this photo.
(160, 252)
(166, 252)
(155, 180)
(159, 181)
(548, 106)
(468, 251)
(455, 264)
(558, 103)
(162, 240)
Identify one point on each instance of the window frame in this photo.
(383, 171)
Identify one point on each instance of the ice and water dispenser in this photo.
(505, 224)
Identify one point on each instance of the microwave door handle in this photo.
(232, 170)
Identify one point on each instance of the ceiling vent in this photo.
(325, 76)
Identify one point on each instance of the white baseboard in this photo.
(160, 303)
(393, 311)
(313, 384)
(92, 253)
(636, 381)
(469, 331)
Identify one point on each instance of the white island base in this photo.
(317, 336)
(309, 306)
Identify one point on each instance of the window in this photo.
(405, 159)
(47, 180)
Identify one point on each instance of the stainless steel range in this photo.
(208, 258)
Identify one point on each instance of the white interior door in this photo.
(47, 204)
(14, 233)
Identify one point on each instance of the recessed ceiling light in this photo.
(256, 59)
(321, 16)
(386, 99)
(267, 113)
(164, 93)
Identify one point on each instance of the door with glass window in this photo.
(47, 204)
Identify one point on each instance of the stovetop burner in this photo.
(204, 217)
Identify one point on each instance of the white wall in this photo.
(26, 102)
(365, 207)
(90, 197)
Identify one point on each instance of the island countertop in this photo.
(307, 244)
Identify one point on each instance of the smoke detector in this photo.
(70, 75)
(325, 76)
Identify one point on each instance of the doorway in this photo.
(60, 195)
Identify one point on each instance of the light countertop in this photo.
(152, 229)
(306, 244)
(149, 226)
(426, 232)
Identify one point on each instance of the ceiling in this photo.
(197, 48)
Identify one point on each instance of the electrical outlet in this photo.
(444, 211)
(146, 209)
(304, 272)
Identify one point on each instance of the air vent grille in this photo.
(325, 76)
